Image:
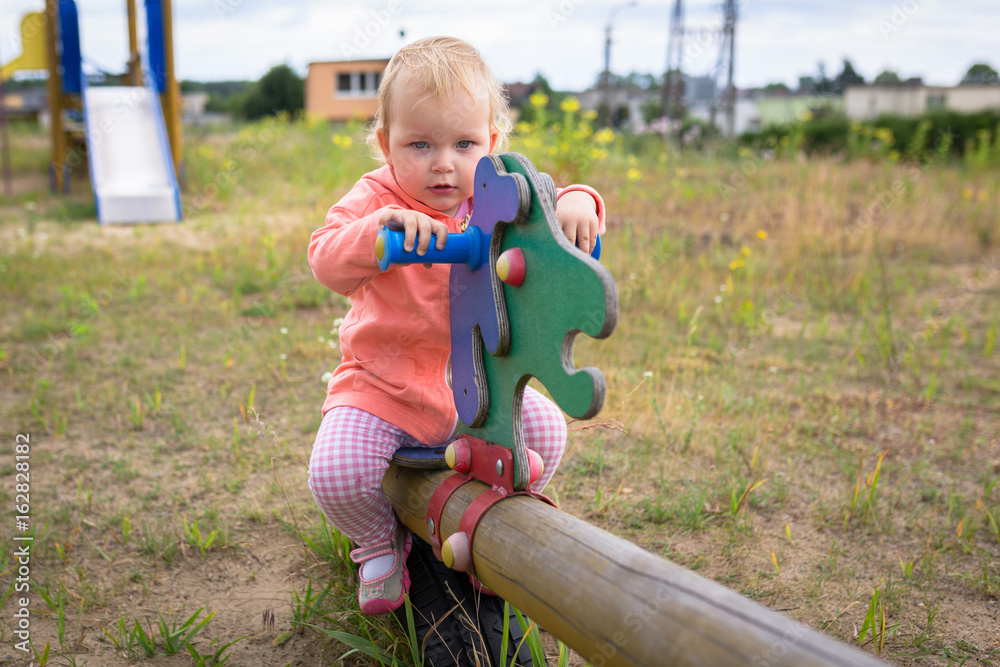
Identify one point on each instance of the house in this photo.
(792, 108)
(869, 102)
(30, 104)
(343, 89)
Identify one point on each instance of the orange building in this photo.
(343, 89)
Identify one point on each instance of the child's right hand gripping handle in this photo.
(460, 248)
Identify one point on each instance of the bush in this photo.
(939, 134)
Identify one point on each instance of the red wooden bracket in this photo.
(486, 462)
(460, 542)
(435, 508)
(472, 458)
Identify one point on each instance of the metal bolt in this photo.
(499, 468)
(430, 526)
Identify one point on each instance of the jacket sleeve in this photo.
(597, 200)
(342, 252)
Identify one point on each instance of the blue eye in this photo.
(465, 144)
(419, 144)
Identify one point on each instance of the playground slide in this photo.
(130, 163)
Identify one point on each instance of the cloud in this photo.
(776, 40)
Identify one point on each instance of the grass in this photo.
(802, 395)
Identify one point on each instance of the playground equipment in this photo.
(608, 599)
(130, 134)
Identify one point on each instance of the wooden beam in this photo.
(57, 162)
(171, 97)
(611, 601)
(134, 65)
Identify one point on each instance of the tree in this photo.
(281, 89)
(823, 83)
(777, 89)
(847, 77)
(886, 78)
(807, 85)
(980, 74)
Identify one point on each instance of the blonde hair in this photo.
(441, 66)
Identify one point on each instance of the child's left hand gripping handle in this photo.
(460, 248)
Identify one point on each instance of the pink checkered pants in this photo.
(353, 449)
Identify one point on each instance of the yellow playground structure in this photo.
(130, 135)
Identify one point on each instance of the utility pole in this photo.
(730, 88)
(672, 97)
(727, 52)
(8, 187)
(607, 117)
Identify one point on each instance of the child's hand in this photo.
(418, 228)
(577, 215)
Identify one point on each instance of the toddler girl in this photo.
(439, 111)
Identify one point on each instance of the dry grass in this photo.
(784, 323)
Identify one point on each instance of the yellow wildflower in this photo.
(604, 136)
(967, 193)
(805, 116)
(761, 234)
(884, 134)
(570, 104)
(538, 99)
(736, 264)
(633, 174)
(745, 250)
(982, 195)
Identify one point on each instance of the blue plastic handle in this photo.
(459, 248)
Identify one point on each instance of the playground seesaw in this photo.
(608, 599)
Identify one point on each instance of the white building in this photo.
(868, 102)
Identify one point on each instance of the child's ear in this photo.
(494, 135)
(383, 143)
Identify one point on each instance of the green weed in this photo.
(874, 624)
(196, 539)
(862, 505)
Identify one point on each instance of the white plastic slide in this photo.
(131, 168)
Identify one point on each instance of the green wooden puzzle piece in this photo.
(564, 292)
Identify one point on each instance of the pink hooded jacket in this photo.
(396, 339)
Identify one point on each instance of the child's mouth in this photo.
(443, 189)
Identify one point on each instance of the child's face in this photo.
(433, 148)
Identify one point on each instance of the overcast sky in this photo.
(776, 40)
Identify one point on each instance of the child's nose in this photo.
(443, 162)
